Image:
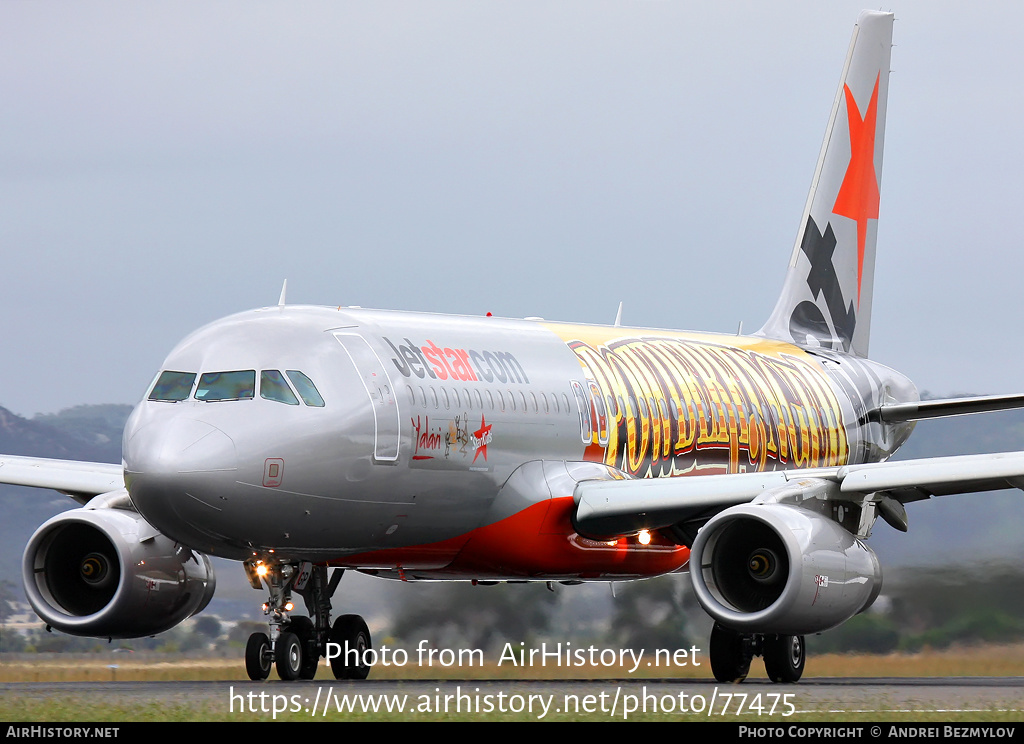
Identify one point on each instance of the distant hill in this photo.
(80, 433)
(965, 530)
(91, 433)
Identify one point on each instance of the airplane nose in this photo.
(180, 445)
(178, 472)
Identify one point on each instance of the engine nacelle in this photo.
(104, 572)
(777, 568)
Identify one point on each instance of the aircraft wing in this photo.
(627, 506)
(926, 409)
(79, 480)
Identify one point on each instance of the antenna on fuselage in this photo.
(284, 291)
(618, 315)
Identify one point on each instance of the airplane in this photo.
(307, 441)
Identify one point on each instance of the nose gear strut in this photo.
(296, 643)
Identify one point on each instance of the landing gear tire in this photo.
(288, 655)
(350, 632)
(303, 627)
(730, 660)
(257, 657)
(784, 658)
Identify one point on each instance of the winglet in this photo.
(826, 297)
(284, 291)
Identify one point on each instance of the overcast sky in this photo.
(162, 165)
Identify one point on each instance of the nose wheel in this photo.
(288, 656)
(296, 643)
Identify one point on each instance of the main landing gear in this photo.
(296, 643)
(731, 652)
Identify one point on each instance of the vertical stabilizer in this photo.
(826, 298)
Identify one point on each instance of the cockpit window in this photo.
(226, 385)
(274, 387)
(173, 386)
(306, 389)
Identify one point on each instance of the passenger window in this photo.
(218, 386)
(173, 386)
(274, 387)
(305, 388)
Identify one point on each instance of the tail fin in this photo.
(826, 298)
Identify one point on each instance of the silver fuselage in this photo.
(426, 417)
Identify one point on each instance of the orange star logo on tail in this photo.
(858, 196)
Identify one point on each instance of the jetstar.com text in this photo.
(465, 365)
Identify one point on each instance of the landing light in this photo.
(644, 537)
(261, 570)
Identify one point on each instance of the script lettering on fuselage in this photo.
(445, 440)
(445, 363)
(455, 443)
(672, 406)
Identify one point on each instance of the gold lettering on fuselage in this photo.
(672, 406)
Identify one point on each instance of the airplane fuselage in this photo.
(401, 460)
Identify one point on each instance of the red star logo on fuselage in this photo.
(858, 196)
(481, 438)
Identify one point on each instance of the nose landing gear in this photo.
(296, 643)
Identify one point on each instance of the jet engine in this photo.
(106, 572)
(778, 568)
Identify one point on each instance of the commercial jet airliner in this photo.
(307, 441)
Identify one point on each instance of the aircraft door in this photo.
(375, 379)
(583, 403)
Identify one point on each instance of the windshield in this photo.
(226, 385)
(173, 386)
